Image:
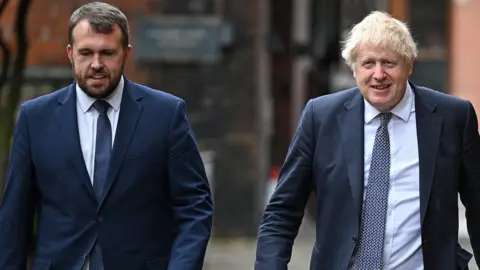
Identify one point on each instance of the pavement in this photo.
(239, 254)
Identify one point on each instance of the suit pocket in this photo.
(157, 263)
(463, 258)
(41, 264)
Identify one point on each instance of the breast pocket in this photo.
(449, 159)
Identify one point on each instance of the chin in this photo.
(378, 99)
(380, 103)
(97, 93)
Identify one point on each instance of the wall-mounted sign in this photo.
(181, 39)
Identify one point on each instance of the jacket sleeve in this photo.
(283, 215)
(17, 206)
(190, 196)
(470, 182)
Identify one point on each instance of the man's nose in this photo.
(96, 63)
(379, 72)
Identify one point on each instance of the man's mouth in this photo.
(381, 86)
(98, 77)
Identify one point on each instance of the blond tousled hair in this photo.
(379, 29)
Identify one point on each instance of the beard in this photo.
(102, 91)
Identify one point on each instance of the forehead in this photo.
(369, 51)
(84, 35)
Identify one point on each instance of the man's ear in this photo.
(128, 51)
(70, 53)
(410, 66)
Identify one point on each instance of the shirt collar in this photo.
(114, 99)
(403, 109)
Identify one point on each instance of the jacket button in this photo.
(354, 239)
(99, 219)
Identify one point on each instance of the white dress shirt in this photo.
(402, 248)
(87, 117)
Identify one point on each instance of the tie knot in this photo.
(385, 118)
(101, 106)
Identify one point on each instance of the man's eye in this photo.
(368, 63)
(389, 64)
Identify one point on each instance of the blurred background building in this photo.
(246, 68)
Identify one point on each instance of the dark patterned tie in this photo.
(103, 149)
(372, 233)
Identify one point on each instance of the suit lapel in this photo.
(130, 110)
(429, 128)
(67, 116)
(351, 127)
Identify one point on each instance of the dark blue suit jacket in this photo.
(156, 211)
(326, 156)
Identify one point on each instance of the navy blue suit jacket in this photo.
(326, 157)
(156, 211)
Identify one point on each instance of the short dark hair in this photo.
(102, 18)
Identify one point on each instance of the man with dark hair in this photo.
(111, 167)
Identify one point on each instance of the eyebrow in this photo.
(102, 50)
(370, 58)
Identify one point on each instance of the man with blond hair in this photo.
(386, 161)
